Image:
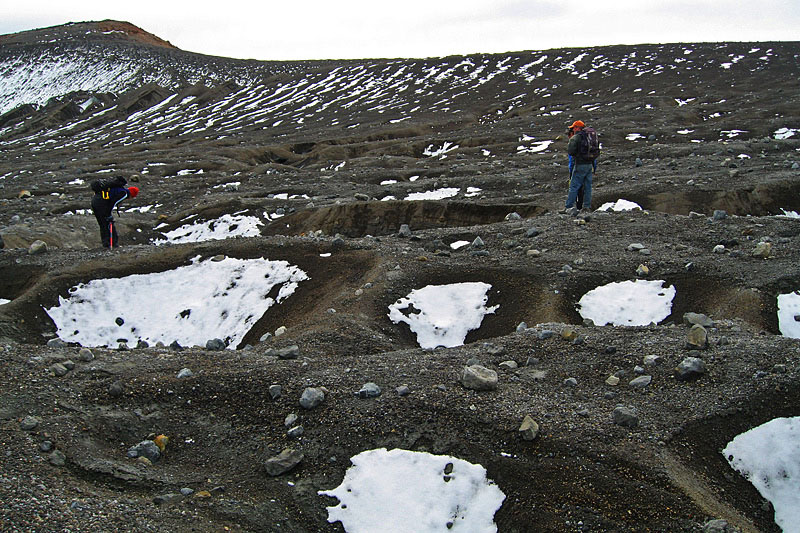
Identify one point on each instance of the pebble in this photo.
(275, 391)
(29, 423)
(369, 390)
(640, 382)
(215, 345)
(403, 390)
(697, 338)
(283, 462)
(37, 247)
(312, 397)
(529, 429)
(625, 417)
(185, 373)
(689, 369)
(85, 355)
(480, 378)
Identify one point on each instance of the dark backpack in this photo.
(104, 184)
(590, 144)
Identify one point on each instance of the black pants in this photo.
(102, 212)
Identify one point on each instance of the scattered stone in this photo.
(369, 390)
(115, 389)
(290, 420)
(691, 319)
(612, 381)
(719, 526)
(403, 390)
(215, 345)
(265, 336)
(29, 423)
(57, 458)
(697, 338)
(640, 382)
(719, 249)
(289, 352)
(635, 247)
(147, 449)
(280, 331)
(652, 360)
(529, 429)
(185, 373)
(522, 326)
(171, 498)
(625, 417)
(695, 215)
(719, 214)
(508, 365)
(513, 217)
(763, 250)
(569, 334)
(546, 334)
(532, 232)
(493, 350)
(275, 391)
(85, 355)
(37, 247)
(46, 446)
(642, 271)
(295, 432)
(638, 162)
(689, 369)
(480, 378)
(478, 243)
(56, 343)
(119, 321)
(405, 231)
(570, 382)
(312, 397)
(283, 462)
(59, 370)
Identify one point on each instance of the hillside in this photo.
(328, 160)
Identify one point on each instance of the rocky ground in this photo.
(68, 415)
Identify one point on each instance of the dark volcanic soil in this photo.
(582, 473)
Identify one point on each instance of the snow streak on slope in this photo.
(341, 94)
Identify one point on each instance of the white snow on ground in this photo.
(789, 214)
(4, 301)
(459, 244)
(190, 304)
(628, 303)
(401, 491)
(538, 146)
(785, 133)
(443, 315)
(788, 309)
(769, 457)
(438, 194)
(440, 152)
(619, 205)
(225, 227)
(634, 136)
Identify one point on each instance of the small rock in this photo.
(405, 231)
(529, 429)
(480, 378)
(635, 247)
(56, 343)
(403, 390)
(275, 391)
(37, 247)
(147, 449)
(569, 334)
(625, 417)
(719, 249)
(720, 214)
(185, 373)
(691, 319)
(312, 397)
(697, 338)
(85, 355)
(295, 432)
(642, 271)
(478, 243)
(511, 217)
(369, 390)
(763, 250)
(29, 423)
(652, 360)
(57, 458)
(570, 382)
(508, 365)
(612, 381)
(280, 331)
(689, 369)
(215, 345)
(283, 462)
(115, 389)
(532, 232)
(640, 382)
(290, 420)
(59, 370)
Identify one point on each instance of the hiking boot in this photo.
(572, 211)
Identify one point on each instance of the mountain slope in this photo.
(323, 164)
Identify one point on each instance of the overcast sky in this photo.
(351, 29)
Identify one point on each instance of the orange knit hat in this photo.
(577, 124)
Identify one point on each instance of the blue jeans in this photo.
(581, 177)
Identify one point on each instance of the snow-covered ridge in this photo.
(286, 97)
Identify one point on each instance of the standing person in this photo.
(571, 165)
(108, 195)
(584, 148)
